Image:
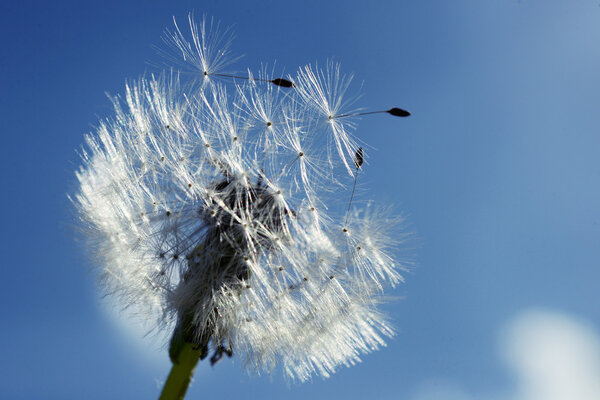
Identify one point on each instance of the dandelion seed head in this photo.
(213, 210)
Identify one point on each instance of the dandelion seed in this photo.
(396, 112)
(359, 158)
(277, 81)
(358, 162)
(283, 82)
(209, 210)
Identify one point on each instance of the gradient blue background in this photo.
(497, 171)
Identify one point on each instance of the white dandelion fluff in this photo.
(213, 209)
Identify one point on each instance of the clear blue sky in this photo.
(497, 171)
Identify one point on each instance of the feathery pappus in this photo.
(211, 205)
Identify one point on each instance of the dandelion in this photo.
(212, 207)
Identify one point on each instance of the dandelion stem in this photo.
(181, 373)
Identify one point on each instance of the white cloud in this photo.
(136, 337)
(553, 356)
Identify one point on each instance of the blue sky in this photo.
(497, 172)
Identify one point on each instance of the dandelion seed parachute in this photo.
(208, 208)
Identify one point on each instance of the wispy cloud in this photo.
(554, 356)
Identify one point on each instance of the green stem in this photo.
(181, 373)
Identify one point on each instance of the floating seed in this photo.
(283, 82)
(398, 112)
(359, 158)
